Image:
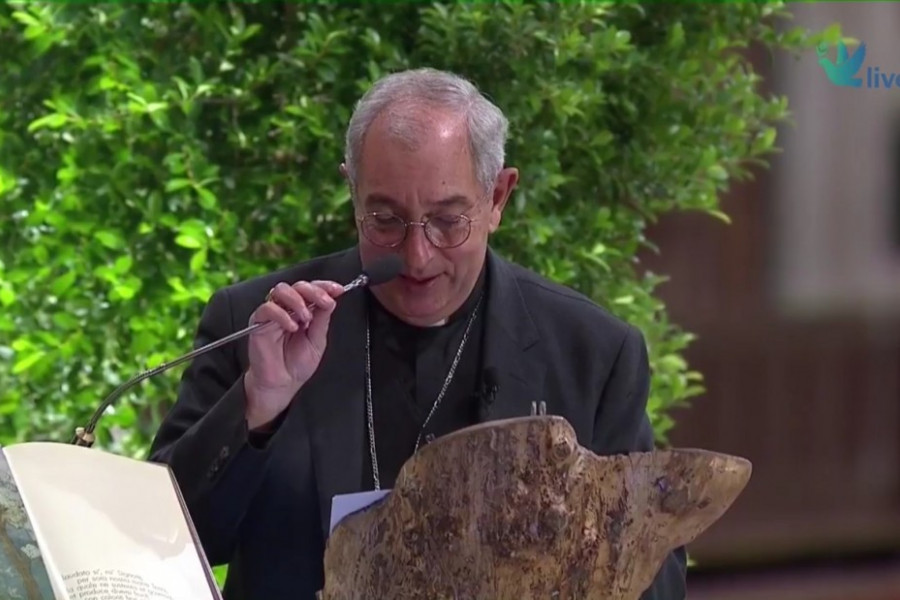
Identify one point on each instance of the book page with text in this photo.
(113, 526)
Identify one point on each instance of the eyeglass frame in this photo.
(422, 223)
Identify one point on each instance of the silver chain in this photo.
(437, 401)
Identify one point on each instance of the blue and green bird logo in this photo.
(843, 71)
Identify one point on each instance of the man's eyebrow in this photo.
(454, 200)
(381, 200)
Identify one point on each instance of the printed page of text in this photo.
(112, 525)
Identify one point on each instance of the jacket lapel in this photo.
(510, 346)
(333, 398)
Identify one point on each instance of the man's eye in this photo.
(445, 221)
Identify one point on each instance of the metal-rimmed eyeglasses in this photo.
(389, 230)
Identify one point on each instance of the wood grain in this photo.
(518, 509)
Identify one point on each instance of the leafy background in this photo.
(151, 153)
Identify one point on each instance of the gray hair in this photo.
(486, 125)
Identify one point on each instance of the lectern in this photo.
(518, 509)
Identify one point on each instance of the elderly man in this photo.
(265, 433)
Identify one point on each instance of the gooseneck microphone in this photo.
(379, 272)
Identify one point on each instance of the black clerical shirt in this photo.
(409, 366)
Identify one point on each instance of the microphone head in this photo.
(384, 269)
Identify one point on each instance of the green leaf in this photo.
(7, 296)
(123, 264)
(51, 121)
(676, 35)
(208, 200)
(127, 289)
(26, 19)
(64, 320)
(64, 282)
(176, 284)
(720, 215)
(765, 141)
(672, 362)
(186, 240)
(178, 183)
(717, 172)
(198, 260)
(26, 362)
(7, 181)
(110, 239)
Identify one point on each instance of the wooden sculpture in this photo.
(518, 509)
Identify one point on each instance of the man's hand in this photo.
(285, 355)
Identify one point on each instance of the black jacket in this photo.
(266, 512)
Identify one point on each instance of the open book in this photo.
(82, 524)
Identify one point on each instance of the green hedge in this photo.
(150, 153)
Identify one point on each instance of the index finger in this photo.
(333, 288)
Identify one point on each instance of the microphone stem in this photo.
(84, 436)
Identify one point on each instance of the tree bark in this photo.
(518, 509)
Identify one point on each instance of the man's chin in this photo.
(419, 304)
(421, 313)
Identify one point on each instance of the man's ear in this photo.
(343, 171)
(503, 188)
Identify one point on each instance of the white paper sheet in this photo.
(345, 504)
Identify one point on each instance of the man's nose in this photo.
(417, 249)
